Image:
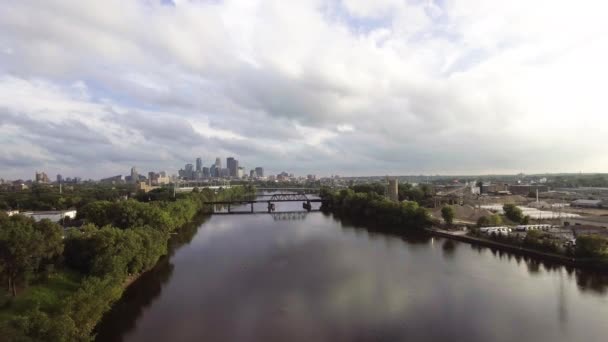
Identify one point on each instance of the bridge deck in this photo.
(312, 200)
(265, 212)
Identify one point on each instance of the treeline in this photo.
(422, 194)
(376, 209)
(47, 197)
(574, 181)
(588, 247)
(120, 240)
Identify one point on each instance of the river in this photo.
(311, 277)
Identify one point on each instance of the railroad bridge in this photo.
(281, 197)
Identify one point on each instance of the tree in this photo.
(377, 188)
(495, 220)
(483, 221)
(24, 246)
(590, 246)
(447, 213)
(111, 251)
(513, 213)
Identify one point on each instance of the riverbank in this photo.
(587, 264)
(324, 278)
(120, 243)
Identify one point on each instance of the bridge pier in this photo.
(306, 205)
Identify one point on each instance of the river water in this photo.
(311, 277)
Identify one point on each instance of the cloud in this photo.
(351, 87)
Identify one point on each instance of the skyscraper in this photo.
(41, 177)
(189, 171)
(233, 166)
(259, 171)
(218, 163)
(199, 164)
(134, 175)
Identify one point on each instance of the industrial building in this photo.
(583, 203)
(524, 190)
(54, 216)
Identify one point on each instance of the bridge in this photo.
(291, 197)
(316, 190)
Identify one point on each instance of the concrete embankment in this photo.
(588, 264)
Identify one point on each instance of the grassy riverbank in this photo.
(120, 241)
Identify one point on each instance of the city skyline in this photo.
(346, 87)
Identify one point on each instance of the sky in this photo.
(349, 87)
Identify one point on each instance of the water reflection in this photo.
(135, 300)
(448, 248)
(141, 294)
(289, 215)
(587, 281)
(591, 282)
(254, 278)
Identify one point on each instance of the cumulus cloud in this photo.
(338, 86)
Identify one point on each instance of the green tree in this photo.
(495, 220)
(513, 213)
(590, 246)
(90, 302)
(97, 213)
(447, 212)
(483, 221)
(24, 246)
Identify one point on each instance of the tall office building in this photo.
(134, 175)
(41, 177)
(218, 163)
(233, 166)
(189, 171)
(199, 164)
(259, 171)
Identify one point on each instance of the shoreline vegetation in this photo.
(59, 287)
(382, 215)
(372, 208)
(593, 264)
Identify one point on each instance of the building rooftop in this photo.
(584, 201)
(48, 212)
